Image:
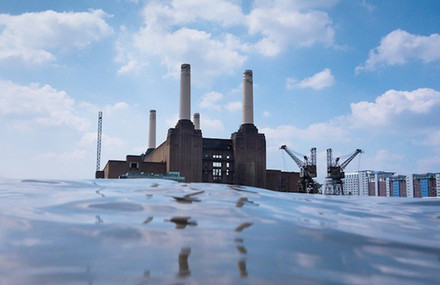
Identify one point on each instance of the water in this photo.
(162, 232)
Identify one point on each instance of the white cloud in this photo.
(398, 111)
(318, 81)
(211, 126)
(398, 47)
(166, 35)
(432, 139)
(283, 24)
(66, 156)
(226, 13)
(108, 142)
(370, 7)
(81, 165)
(211, 101)
(384, 160)
(38, 105)
(34, 37)
(266, 114)
(172, 121)
(392, 104)
(177, 32)
(119, 106)
(233, 106)
(332, 131)
(429, 164)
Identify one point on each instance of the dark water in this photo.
(162, 232)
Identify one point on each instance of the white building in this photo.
(382, 183)
(410, 186)
(360, 183)
(351, 184)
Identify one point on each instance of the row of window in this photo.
(219, 164)
(218, 156)
(217, 173)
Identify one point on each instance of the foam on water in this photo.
(161, 232)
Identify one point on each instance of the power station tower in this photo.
(98, 147)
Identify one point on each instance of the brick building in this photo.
(239, 160)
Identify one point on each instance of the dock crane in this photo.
(307, 171)
(335, 172)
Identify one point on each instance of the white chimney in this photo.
(196, 121)
(152, 130)
(185, 92)
(248, 98)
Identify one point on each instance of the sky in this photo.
(340, 74)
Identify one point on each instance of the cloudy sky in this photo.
(334, 74)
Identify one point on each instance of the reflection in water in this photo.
(98, 220)
(183, 262)
(240, 188)
(99, 193)
(244, 200)
(182, 222)
(146, 273)
(241, 249)
(147, 220)
(243, 226)
(188, 198)
(89, 275)
(241, 264)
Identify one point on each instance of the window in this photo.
(216, 164)
(134, 165)
(216, 173)
(216, 156)
(227, 164)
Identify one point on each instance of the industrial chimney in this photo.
(185, 92)
(248, 98)
(196, 121)
(152, 130)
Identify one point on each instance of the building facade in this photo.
(396, 186)
(239, 160)
(382, 183)
(425, 185)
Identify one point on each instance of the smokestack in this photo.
(152, 130)
(248, 98)
(185, 92)
(196, 121)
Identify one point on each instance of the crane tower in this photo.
(307, 170)
(98, 147)
(335, 172)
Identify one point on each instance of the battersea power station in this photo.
(187, 156)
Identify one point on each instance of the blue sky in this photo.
(327, 74)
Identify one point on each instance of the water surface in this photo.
(163, 232)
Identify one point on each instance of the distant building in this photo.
(424, 185)
(366, 183)
(396, 186)
(239, 160)
(351, 184)
(381, 183)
